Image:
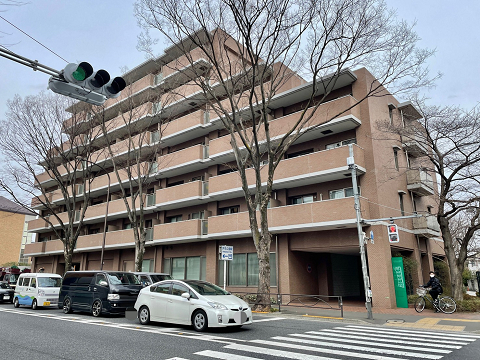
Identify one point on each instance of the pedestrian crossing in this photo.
(347, 342)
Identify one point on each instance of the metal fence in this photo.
(296, 300)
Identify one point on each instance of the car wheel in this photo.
(67, 305)
(34, 304)
(144, 315)
(16, 303)
(200, 320)
(97, 308)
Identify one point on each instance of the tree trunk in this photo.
(263, 292)
(139, 251)
(68, 254)
(457, 281)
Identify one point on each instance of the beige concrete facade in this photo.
(196, 203)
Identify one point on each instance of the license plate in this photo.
(46, 303)
(6, 297)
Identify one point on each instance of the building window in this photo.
(390, 114)
(303, 199)
(196, 215)
(127, 225)
(93, 231)
(147, 265)
(429, 209)
(400, 198)
(340, 143)
(243, 270)
(229, 210)
(192, 268)
(395, 157)
(175, 183)
(341, 193)
(174, 219)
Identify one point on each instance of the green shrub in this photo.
(468, 305)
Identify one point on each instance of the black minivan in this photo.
(98, 292)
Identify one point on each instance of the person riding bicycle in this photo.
(434, 283)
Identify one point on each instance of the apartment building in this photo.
(195, 203)
(13, 232)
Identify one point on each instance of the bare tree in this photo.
(46, 150)
(449, 147)
(135, 158)
(256, 50)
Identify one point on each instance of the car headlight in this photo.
(217, 306)
(41, 292)
(113, 297)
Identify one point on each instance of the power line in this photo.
(33, 39)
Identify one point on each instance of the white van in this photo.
(37, 289)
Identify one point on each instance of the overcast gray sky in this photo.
(104, 33)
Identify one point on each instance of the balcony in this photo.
(221, 148)
(415, 145)
(37, 225)
(321, 166)
(36, 248)
(426, 226)
(179, 162)
(181, 195)
(182, 231)
(316, 216)
(419, 182)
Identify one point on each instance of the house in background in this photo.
(13, 232)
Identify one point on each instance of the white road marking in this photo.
(470, 337)
(225, 356)
(349, 354)
(277, 353)
(372, 343)
(340, 334)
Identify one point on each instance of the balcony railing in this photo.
(179, 195)
(183, 230)
(426, 225)
(319, 215)
(419, 182)
(312, 168)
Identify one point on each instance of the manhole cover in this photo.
(395, 321)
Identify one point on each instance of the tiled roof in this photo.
(10, 206)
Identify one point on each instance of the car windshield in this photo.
(123, 279)
(205, 288)
(157, 278)
(4, 286)
(49, 282)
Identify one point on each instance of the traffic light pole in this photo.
(34, 64)
(361, 241)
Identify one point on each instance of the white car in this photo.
(191, 302)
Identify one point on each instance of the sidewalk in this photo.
(458, 321)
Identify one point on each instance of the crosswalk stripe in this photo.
(225, 356)
(341, 334)
(348, 354)
(358, 348)
(277, 353)
(471, 337)
(382, 334)
(371, 343)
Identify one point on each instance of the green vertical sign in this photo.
(399, 281)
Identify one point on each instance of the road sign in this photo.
(226, 252)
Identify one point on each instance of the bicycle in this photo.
(444, 304)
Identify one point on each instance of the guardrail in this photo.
(297, 300)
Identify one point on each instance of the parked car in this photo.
(6, 292)
(37, 289)
(98, 292)
(191, 302)
(149, 278)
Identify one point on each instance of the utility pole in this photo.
(361, 240)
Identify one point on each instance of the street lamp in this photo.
(106, 210)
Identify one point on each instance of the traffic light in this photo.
(82, 83)
(393, 233)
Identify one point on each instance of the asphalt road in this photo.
(50, 334)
